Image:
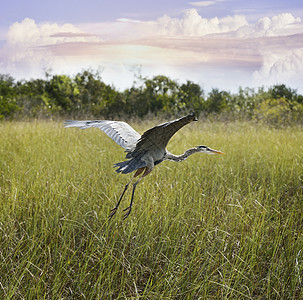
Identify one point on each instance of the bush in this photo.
(278, 112)
(87, 96)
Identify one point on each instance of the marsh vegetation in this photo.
(211, 227)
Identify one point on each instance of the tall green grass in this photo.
(212, 227)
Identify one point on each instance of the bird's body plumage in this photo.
(143, 151)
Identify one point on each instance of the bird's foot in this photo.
(112, 212)
(128, 210)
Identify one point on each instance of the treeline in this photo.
(86, 96)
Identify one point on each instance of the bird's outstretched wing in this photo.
(120, 132)
(159, 136)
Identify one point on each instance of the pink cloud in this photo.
(268, 50)
(71, 34)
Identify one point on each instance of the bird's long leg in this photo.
(114, 210)
(129, 208)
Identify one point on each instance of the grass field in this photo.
(212, 227)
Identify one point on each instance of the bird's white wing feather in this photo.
(120, 132)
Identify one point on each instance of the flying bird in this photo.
(143, 151)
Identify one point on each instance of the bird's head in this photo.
(207, 150)
(193, 116)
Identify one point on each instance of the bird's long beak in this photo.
(216, 151)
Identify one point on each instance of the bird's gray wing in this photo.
(159, 136)
(120, 132)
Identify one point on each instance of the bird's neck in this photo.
(177, 158)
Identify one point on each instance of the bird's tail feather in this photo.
(129, 166)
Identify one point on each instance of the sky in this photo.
(223, 44)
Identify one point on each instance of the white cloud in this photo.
(28, 32)
(192, 24)
(284, 66)
(283, 24)
(204, 3)
(24, 52)
(269, 50)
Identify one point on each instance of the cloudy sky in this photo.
(216, 43)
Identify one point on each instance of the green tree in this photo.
(274, 111)
(282, 91)
(33, 99)
(242, 104)
(217, 101)
(191, 97)
(86, 95)
(160, 91)
(135, 101)
(97, 98)
(62, 91)
(8, 103)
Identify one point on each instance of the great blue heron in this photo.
(143, 152)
